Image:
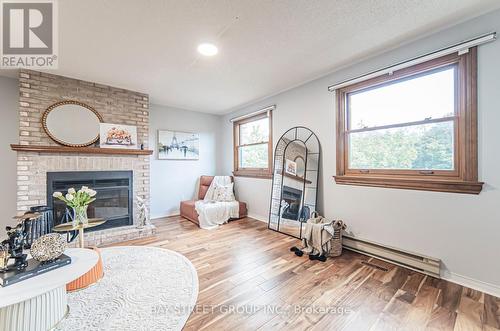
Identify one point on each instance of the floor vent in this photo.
(425, 264)
(372, 265)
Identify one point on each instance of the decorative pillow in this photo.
(224, 193)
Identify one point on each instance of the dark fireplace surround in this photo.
(114, 199)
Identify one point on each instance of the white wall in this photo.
(462, 230)
(174, 181)
(9, 98)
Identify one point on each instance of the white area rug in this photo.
(143, 288)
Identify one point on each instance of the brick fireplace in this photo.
(114, 198)
(40, 90)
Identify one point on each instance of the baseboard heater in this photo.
(425, 264)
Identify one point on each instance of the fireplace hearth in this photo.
(114, 199)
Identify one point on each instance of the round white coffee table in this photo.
(40, 303)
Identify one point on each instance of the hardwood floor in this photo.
(246, 267)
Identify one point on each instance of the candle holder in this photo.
(4, 257)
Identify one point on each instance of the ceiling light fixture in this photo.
(207, 49)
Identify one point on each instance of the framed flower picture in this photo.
(291, 167)
(118, 136)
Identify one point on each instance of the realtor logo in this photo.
(29, 38)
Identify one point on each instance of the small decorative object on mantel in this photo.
(48, 247)
(79, 202)
(143, 216)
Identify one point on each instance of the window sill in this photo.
(431, 184)
(253, 174)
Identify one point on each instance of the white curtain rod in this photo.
(461, 47)
(260, 111)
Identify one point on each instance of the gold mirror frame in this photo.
(69, 102)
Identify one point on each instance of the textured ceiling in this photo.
(264, 46)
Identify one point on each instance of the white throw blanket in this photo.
(212, 213)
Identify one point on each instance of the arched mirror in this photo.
(72, 123)
(295, 181)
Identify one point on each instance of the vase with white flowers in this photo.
(79, 202)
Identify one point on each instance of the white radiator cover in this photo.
(414, 261)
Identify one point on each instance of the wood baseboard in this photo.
(475, 284)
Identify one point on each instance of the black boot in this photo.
(297, 251)
(322, 258)
(313, 257)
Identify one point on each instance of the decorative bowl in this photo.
(48, 247)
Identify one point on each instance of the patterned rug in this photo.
(143, 288)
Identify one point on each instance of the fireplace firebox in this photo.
(114, 199)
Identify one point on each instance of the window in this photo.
(253, 146)
(415, 129)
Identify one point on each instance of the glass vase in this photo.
(80, 215)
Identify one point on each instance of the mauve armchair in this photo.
(187, 207)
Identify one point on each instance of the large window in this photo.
(253, 146)
(415, 128)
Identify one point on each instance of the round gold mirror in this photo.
(72, 123)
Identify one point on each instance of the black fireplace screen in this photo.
(291, 203)
(114, 199)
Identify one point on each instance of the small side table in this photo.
(97, 272)
(67, 227)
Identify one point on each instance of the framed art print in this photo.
(178, 145)
(118, 136)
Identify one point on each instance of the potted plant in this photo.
(79, 202)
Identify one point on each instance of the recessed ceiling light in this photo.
(207, 49)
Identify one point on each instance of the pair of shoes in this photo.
(321, 258)
(297, 251)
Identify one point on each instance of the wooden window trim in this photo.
(464, 178)
(252, 172)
